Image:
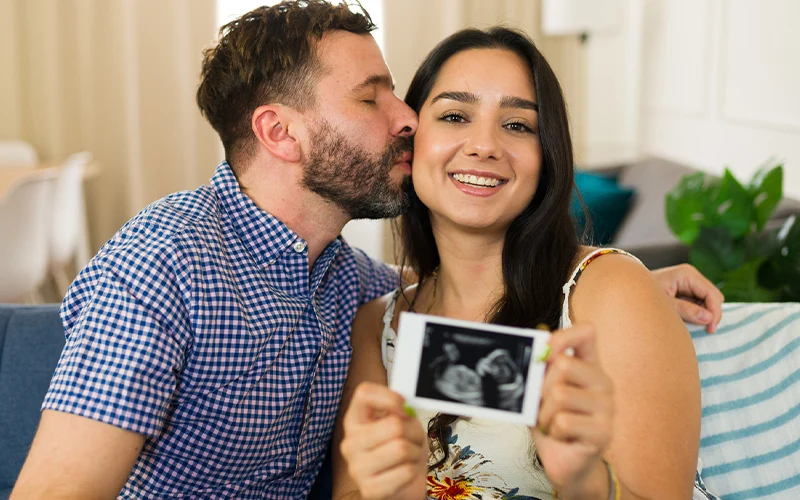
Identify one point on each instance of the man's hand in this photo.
(695, 298)
(76, 457)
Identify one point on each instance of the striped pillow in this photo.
(749, 373)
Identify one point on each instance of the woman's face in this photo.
(477, 154)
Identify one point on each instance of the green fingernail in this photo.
(409, 411)
(545, 353)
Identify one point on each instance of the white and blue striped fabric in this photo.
(750, 378)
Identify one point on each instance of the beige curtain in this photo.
(411, 28)
(117, 78)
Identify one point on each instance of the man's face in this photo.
(360, 132)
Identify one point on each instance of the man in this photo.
(208, 340)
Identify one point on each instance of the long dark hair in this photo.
(541, 243)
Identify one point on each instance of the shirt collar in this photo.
(265, 236)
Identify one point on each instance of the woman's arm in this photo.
(377, 448)
(645, 349)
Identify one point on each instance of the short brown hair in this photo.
(268, 56)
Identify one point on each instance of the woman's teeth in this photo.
(476, 181)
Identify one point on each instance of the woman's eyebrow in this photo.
(518, 102)
(470, 98)
(465, 97)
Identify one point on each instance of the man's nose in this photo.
(404, 120)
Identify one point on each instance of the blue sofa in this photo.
(749, 371)
(31, 339)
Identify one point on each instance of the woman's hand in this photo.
(575, 416)
(386, 451)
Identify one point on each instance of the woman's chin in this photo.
(481, 223)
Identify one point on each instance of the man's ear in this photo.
(273, 126)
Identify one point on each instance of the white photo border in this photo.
(406, 368)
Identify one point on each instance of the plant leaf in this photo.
(734, 206)
(766, 190)
(782, 269)
(714, 253)
(741, 284)
(686, 207)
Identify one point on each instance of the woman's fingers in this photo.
(591, 433)
(387, 483)
(569, 370)
(370, 402)
(580, 340)
(373, 434)
(570, 402)
(576, 392)
(386, 455)
(570, 399)
(385, 449)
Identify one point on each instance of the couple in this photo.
(209, 340)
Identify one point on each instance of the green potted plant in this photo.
(724, 223)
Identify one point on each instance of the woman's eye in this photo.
(453, 118)
(369, 101)
(518, 127)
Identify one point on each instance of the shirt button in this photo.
(299, 246)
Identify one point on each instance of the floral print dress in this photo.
(487, 460)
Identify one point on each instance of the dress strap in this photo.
(388, 335)
(390, 306)
(566, 322)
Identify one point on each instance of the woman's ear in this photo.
(273, 126)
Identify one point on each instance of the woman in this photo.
(490, 236)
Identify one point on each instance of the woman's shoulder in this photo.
(611, 276)
(602, 264)
(616, 285)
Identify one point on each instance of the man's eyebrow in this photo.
(465, 97)
(376, 79)
(518, 102)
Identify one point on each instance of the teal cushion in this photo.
(607, 203)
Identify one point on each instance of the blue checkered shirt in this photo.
(199, 325)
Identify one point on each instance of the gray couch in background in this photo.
(644, 231)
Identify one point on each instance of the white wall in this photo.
(721, 85)
(606, 115)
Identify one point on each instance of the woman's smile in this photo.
(477, 183)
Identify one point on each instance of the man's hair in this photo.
(268, 56)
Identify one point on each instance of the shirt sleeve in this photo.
(122, 354)
(377, 278)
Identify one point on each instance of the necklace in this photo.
(435, 286)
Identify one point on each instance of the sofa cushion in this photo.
(31, 340)
(606, 201)
(750, 378)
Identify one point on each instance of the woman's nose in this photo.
(483, 144)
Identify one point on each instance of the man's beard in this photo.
(352, 178)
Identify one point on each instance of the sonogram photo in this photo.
(474, 367)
